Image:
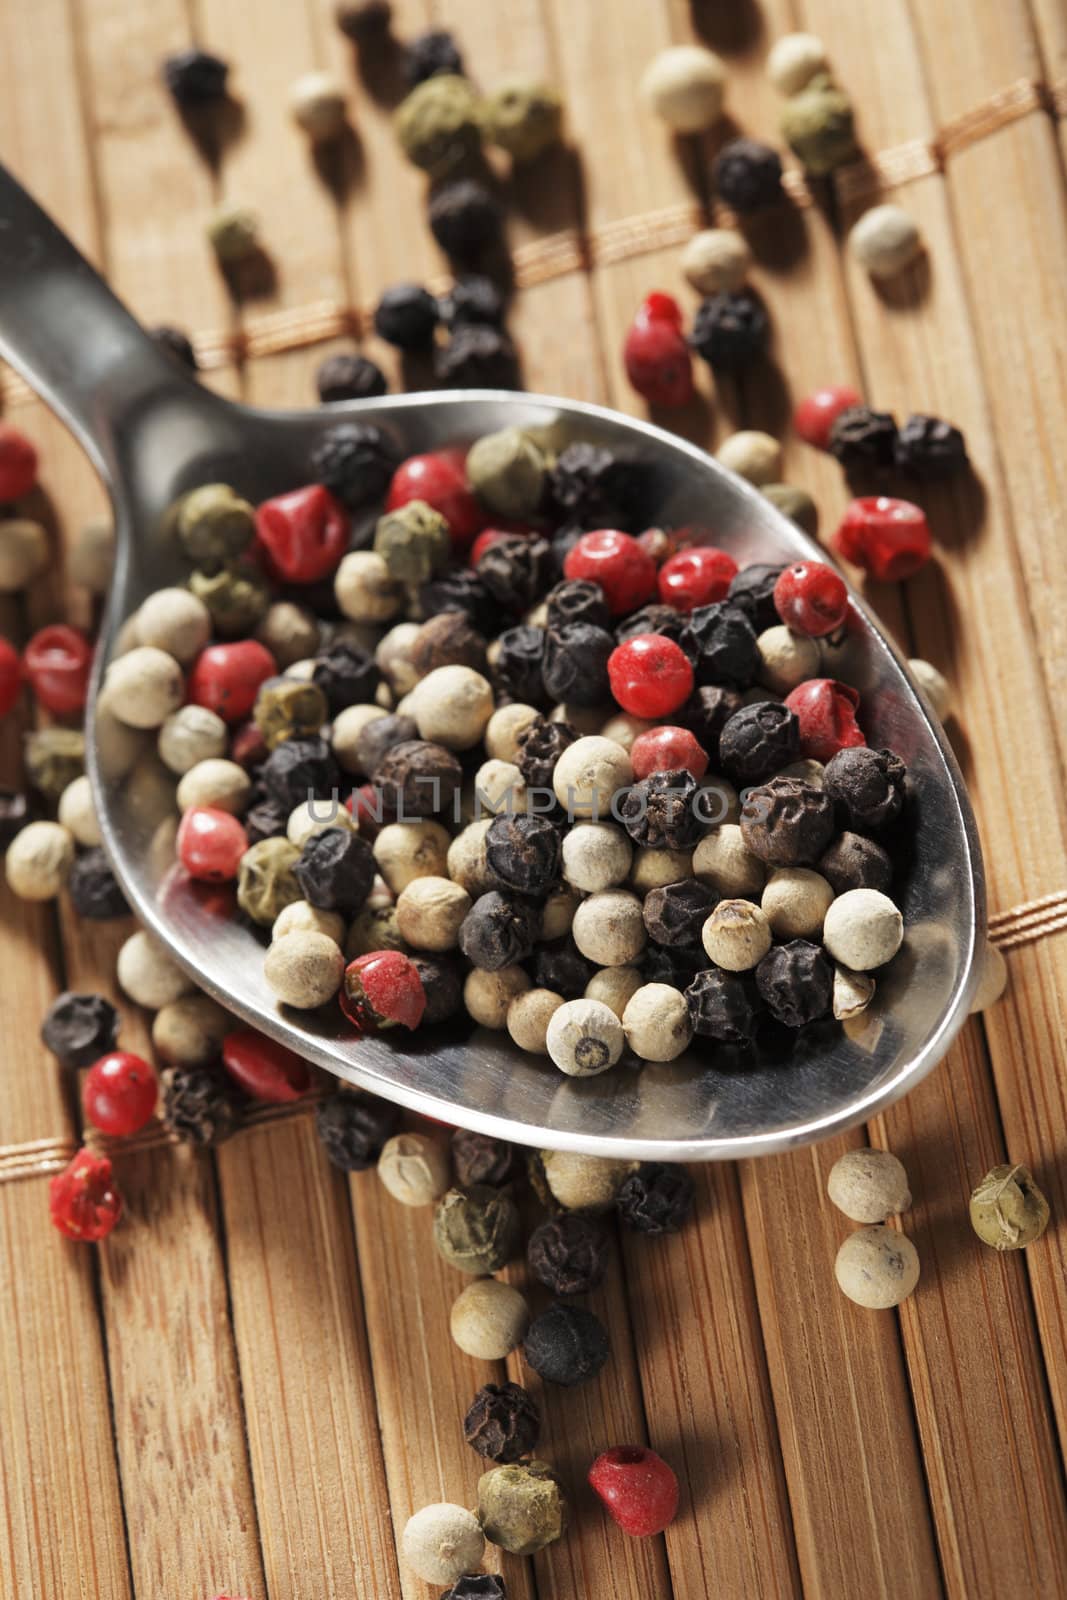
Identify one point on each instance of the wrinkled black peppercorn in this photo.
(568, 1254)
(723, 1006)
(381, 735)
(861, 438)
(706, 713)
(335, 870)
(652, 619)
(541, 744)
(747, 175)
(524, 853)
(441, 984)
(353, 1126)
(577, 600)
(477, 356)
(466, 219)
(195, 77)
(676, 964)
(516, 671)
(177, 344)
(575, 664)
(447, 640)
(473, 298)
(346, 675)
(93, 888)
(299, 769)
(499, 930)
(930, 449)
(657, 1198)
(592, 487)
(418, 779)
(355, 461)
(659, 811)
(431, 54)
(567, 1345)
(15, 812)
(758, 741)
(349, 376)
(363, 21)
(787, 823)
(853, 862)
(407, 316)
(267, 819)
(730, 331)
(867, 786)
(477, 1586)
(560, 966)
(721, 643)
(517, 571)
(478, 1158)
(503, 1423)
(198, 1105)
(460, 589)
(796, 982)
(675, 913)
(80, 1028)
(752, 591)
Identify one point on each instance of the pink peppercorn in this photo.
(667, 750)
(10, 676)
(650, 675)
(817, 413)
(248, 746)
(119, 1094)
(305, 533)
(614, 560)
(888, 538)
(226, 677)
(210, 844)
(440, 479)
(656, 356)
(57, 661)
(811, 598)
(826, 712)
(638, 1488)
(263, 1068)
(382, 990)
(18, 463)
(82, 1200)
(695, 577)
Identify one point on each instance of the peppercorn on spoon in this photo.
(154, 432)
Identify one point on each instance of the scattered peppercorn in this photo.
(523, 117)
(349, 376)
(1007, 1209)
(638, 1488)
(747, 175)
(83, 1201)
(502, 1423)
(730, 331)
(466, 219)
(930, 449)
(53, 758)
(477, 1229)
(93, 888)
(568, 1254)
(195, 77)
(817, 125)
(594, 487)
(353, 1127)
(521, 1507)
(439, 125)
(407, 316)
(477, 356)
(477, 1586)
(478, 1158)
(198, 1105)
(363, 21)
(80, 1028)
(473, 298)
(863, 438)
(430, 54)
(656, 1199)
(566, 1345)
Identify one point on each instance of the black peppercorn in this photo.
(431, 54)
(198, 1105)
(80, 1028)
(577, 600)
(730, 331)
(517, 571)
(787, 823)
(447, 640)
(346, 675)
(381, 735)
(758, 741)
(675, 913)
(418, 779)
(930, 449)
(477, 356)
(355, 461)
(747, 175)
(752, 591)
(267, 819)
(299, 769)
(723, 1006)
(568, 1254)
(560, 966)
(353, 1126)
(676, 964)
(195, 77)
(866, 785)
(861, 438)
(592, 487)
(707, 712)
(853, 862)
(15, 812)
(466, 219)
(177, 344)
(524, 853)
(94, 890)
(516, 671)
(477, 1586)
(721, 643)
(478, 1158)
(660, 812)
(442, 986)
(657, 1198)
(460, 589)
(566, 1345)
(503, 1423)
(499, 930)
(541, 743)
(335, 870)
(349, 376)
(473, 298)
(574, 667)
(363, 21)
(664, 620)
(796, 982)
(407, 316)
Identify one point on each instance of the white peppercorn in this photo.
(655, 868)
(489, 1319)
(737, 935)
(885, 240)
(404, 851)
(467, 864)
(1007, 1209)
(584, 1038)
(488, 995)
(853, 993)
(189, 1032)
(609, 928)
(584, 1183)
(656, 1022)
(38, 861)
(586, 720)
(127, 638)
(77, 812)
(529, 1015)
(614, 987)
(365, 589)
(596, 856)
(787, 659)
(300, 916)
(118, 748)
(588, 773)
(91, 560)
(504, 729)
(557, 915)
(754, 456)
(317, 102)
(303, 671)
(877, 1267)
(345, 735)
(863, 929)
(868, 1185)
(442, 1542)
(716, 261)
(414, 1168)
(392, 657)
(795, 901)
(718, 802)
(452, 706)
(498, 787)
(794, 60)
(191, 735)
(722, 861)
(290, 632)
(808, 771)
(315, 816)
(624, 728)
(685, 86)
(993, 980)
(934, 685)
(219, 783)
(175, 621)
(375, 928)
(24, 553)
(430, 912)
(144, 687)
(304, 969)
(147, 975)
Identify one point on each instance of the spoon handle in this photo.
(66, 333)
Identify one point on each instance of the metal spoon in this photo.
(154, 433)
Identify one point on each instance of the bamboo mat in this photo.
(249, 1388)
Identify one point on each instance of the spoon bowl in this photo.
(155, 433)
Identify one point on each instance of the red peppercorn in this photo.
(657, 359)
(625, 572)
(10, 676)
(304, 533)
(210, 844)
(82, 1200)
(226, 677)
(18, 463)
(888, 538)
(440, 479)
(637, 1487)
(119, 1094)
(264, 1068)
(697, 576)
(57, 661)
(816, 415)
(366, 807)
(248, 746)
(650, 675)
(491, 536)
(667, 750)
(811, 598)
(382, 990)
(826, 711)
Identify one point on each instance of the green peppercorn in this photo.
(477, 1229)
(289, 708)
(237, 597)
(266, 883)
(1008, 1210)
(214, 524)
(439, 124)
(54, 758)
(233, 234)
(521, 1507)
(794, 503)
(506, 470)
(523, 117)
(817, 126)
(413, 541)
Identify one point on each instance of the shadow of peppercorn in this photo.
(692, 421)
(214, 127)
(380, 65)
(339, 163)
(550, 193)
(255, 278)
(696, 154)
(728, 25)
(778, 237)
(766, 401)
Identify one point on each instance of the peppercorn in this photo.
(480, 1159)
(576, 1182)
(302, 917)
(488, 995)
(787, 660)
(413, 541)
(638, 1489)
(862, 438)
(752, 591)
(868, 1185)
(863, 929)
(442, 1542)
(407, 316)
(685, 85)
(266, 881)
(473, 298)
(593, 487)
(80, 1028)
(867, 785)
(523, 852)
(354, 461)
(577, 600)
(459, 589)
(439, 125)
(477, 1586)
(363, 21)
(502, 1422)
(795, 902)
(559, 966)
(795, 983)
(430, 54)
(189, 1032)
(817, 125)
(676, 965)
(794, 60)
(347, 375)
(730, 331)
(541, 744)
(233, 234)
(521, 1507)
(721, 643)
(723, 1006)
(265, 820)
(235, 597)
(94, 891)
(657, 1198)
(794, 503)
(15, 813)
(335, 870)
(195, 77)
(177, 344)
(54, 758)
(930, 449)
(506, 470)
(786, 822)
(287, 709)
(853, 862)
(39, 861)
(452, 706)
(596, 856)
(885, 240)
(1007, 1209)
(656, 1022)
(198, 1105)
(853, 993)
(753, 455)
(568, 1254)
(466, 219)
(346, 675)
(447, 639)
(414, 1169)
(374, 737)
(523, 117)
(747, 175)
(515, 664)
(716, 261)
(299, 768)
(353, 1127)
(675, 913)
(431, 912)
(214, 524)
(404, 851)
(417, 778)
(584, 1038)
(517, 571)
(737, 935)
(575, 664)
(489, 1319)
(83, 1202)
(441, 986)
(499, 930)
(24, 553)
(477, 356)
(476, 1230)
(877, 1267)
(566, 1345)
(317, 104)
(304, 969)
(222, 785)
(659, 811)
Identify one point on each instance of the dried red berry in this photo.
(82, 1200)
(811, 598)
(18, 463)
(888, 538)
(826, 713)
(490, 536)
(816, 415)
(226, 677)
(263, 1068)
(625, 572)
(248, 746)
(667, 750)
(695, 577)
(440, 479)
(656, 356)
(650, 675)
(210, 844)
(119, 1094)
(382, 990)
(638, 1488)
(305, 533)
(57, 662)
(10, 676)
